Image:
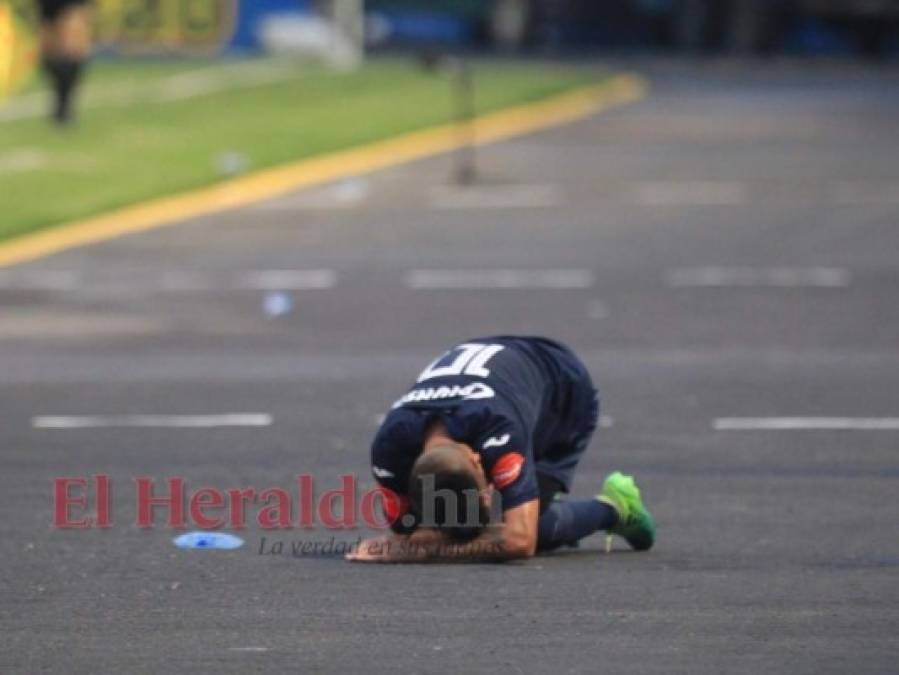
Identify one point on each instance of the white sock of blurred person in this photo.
(65, 47)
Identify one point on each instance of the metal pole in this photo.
(347, 17)
(465, 112)
(461, 80)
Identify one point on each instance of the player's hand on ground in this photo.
(377, 549)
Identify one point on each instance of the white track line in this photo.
(177, 87)
(172, 281)
(169, 421)
(225, 78)
(288, 280)
(500, 279)
(597, 309)
(850, 193)
(22, 160)
(747, 277)
(39, 280)
(345, 194)
(496, 197)
(690, 193)
(806, 424)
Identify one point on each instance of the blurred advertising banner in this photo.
(211, 26)
(164, 25)
(18, 50)
(430, 21)
(171, 26)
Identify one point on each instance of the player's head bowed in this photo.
(448, 491)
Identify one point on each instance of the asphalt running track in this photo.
(725, 256)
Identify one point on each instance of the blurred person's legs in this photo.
(65, 47)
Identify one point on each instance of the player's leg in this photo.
(65, 47)
(618, 509)
(564, 522)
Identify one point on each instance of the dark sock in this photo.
(64, 73)
(565, 522)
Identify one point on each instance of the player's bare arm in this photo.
(515, 538)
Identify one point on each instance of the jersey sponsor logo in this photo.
(468, 392)
(506, 470)
(496, 441)
(382, 473)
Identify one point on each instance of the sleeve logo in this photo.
(496, 441)
(506, 470)
(382, 473)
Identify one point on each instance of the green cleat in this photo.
(635, 523)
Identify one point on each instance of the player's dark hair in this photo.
(444, 494)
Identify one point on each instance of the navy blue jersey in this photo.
(511, 399)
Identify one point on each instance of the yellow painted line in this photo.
(270, 183)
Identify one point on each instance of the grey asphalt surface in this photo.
(777, 551)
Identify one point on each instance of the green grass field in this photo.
(155, 128)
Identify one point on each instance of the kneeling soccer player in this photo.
(495, 425)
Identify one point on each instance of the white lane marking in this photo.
(207, 81)
(53, 324)
(172, 421)
(597, 309)
(177, 87)
(778, 277)
(288, 280)
(247, 649)
(169, 281)
(502, 278)
(22, 160)
(496, 197)
(345, 194)
(308, 202)
(806, 424)
(24, 107)
(47, 280)
(690, 193)
(181, 281)
(848, 193)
